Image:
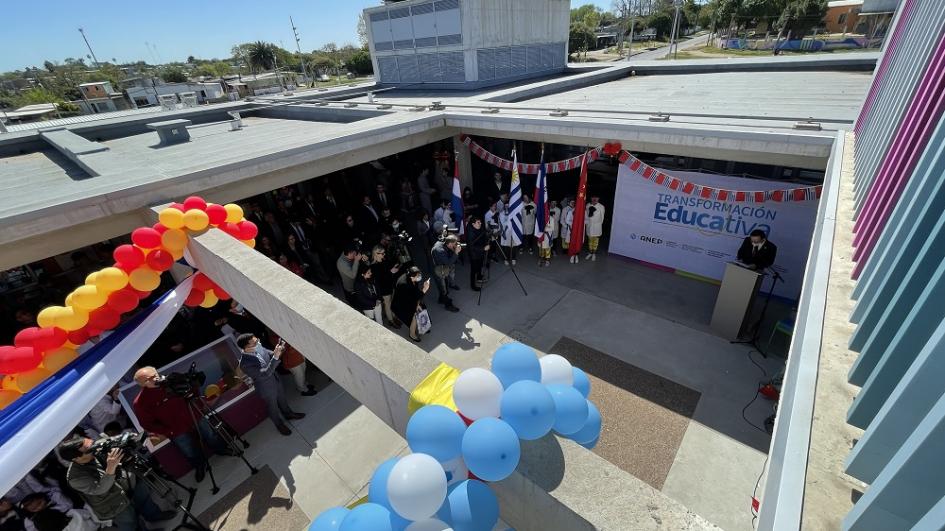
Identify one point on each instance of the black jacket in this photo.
(365, 294)
(762, 259)
(477, 239)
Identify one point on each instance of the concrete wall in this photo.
(493, 23)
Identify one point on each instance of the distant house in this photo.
(878, 15)
(145, 93)
(267, 83)
(843, 16)
(99, 96)
(30, 113)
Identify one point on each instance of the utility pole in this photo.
(632, 12)
(298, 46)
(94, 60)
(674, 41)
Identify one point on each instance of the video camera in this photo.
(403, 237)
(184, 385)
(128, 442)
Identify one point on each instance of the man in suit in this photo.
(756, 251)
(384, 200)
(260, 364)
(368, 218)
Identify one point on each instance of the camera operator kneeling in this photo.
(165, 415)
(445, 255)
(106, 489)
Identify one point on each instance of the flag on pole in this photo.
(457, 202)
(516, 206)
(541, 199)
(577, 228)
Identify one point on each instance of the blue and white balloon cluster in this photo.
(523, 397)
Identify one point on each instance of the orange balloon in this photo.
(211, 391)
(70, 318)
(88, 297)
(25, 381)
(8, 396)
(210, 299)
(47, 316)
(174, 239)
(144, 278)
(177, 254)
(111, 279)
(234, 213)
(171, 218)
(7, 382)
(251, 243)
(196, 220)
(59, 358)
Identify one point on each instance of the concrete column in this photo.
(558, 485)
(919, 389)
(465, 162)
(910, 486)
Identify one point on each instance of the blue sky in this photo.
(177, 28)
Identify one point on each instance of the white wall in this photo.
(491, 23)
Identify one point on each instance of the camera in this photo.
(403, 237)
(184, 384)
(128, 442)
(495, 233)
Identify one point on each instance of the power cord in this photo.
(754, 494)
(764, 374)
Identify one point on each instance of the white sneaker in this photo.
(587, 256)
(514, 262)
(507, 262)
(594, 257)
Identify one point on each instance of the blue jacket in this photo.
(260, 366)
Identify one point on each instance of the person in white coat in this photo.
(593, 226)
(567, 221)
(506, 240)
(425, 191)
(554, 216)
(529, 213)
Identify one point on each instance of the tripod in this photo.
(755, 329)
(200, 409)
(146, 469)
(485, 265)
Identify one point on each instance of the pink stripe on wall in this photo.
(922, 116)
(886, 60)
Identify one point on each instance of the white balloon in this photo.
(416, 486)
(478, 393)
(429, 525)
(555, 370)
(456, 470)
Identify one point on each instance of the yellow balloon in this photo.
(251, 243)
(211, 391)
(69, 299)
(144, 279)
(90, 280)
(234, 213)
(196, 219)
(70, 344)
(47, 317)
(59, 358)
(8, 396)
(176, 253)
(70, 318)
(8, 382)
(171, 218)
(25, 381)
(88, 298)
(174, 239)
(111, 279)
(209, 299)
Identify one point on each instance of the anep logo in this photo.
(650, 239)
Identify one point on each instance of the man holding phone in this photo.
(260, 364)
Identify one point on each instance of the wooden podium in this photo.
(736, 296)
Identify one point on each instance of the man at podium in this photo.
(756, 251)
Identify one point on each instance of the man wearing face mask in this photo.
(593, 226)
(756, 251)
(260, 364)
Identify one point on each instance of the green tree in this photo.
(580, 38)
(173, 75)
(662, 22)
(580, 14)
(262, 55)
(801, 16)
(360, 62)
(362, 30)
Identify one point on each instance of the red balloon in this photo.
(195, 298)
(41, 339)
(78, 337)
(14, 360)
(216, 213)
(126, 267)
(465, 420)
(94, 332)
(248, 230)
(159, 227)
(178, 206)
(128, 255)
(140, 294)
(194, 202)
(202, 282)
(222, 295)
(146, 237)
(104, 318)
(232, 229)
(123, 300)
(160, 260)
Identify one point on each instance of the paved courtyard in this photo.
(613, 312)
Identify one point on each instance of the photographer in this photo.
(260, 364)
(478, 239)
(165, 415)
(348, 264)
(109, 494)
(385, 269)
(367, 300)
(408, 298)
(445, 254)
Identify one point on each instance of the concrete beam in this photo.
(559, 485)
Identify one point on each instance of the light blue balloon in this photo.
(377, 493)
(329, 520)
(581, 382)
(591, 445)
(470, 506)
(591, 429)
(514, 362)
(367, 517)
(570, 409)
(491, 449)
(528, 407)
(436, 431)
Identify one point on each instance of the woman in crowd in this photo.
(366, 297)
(264, 246)
(471, 206)
(408, 298)
(291, 265)
(384, 271)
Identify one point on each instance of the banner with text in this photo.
(695, 235)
